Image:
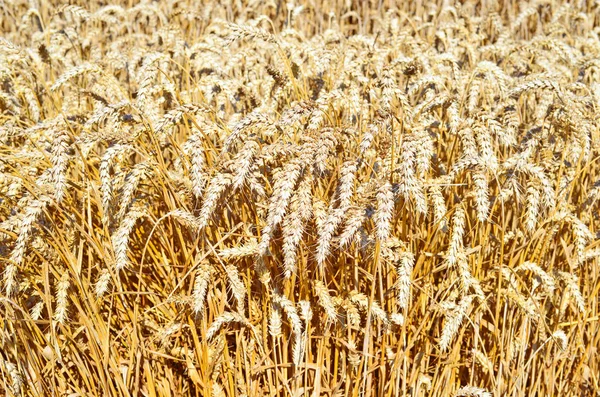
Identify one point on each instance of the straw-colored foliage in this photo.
(321, 198)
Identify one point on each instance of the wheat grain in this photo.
(275, 321)
(36, 310)
(102, 284)
(483, 360)
(120, 239)
(547, 281)
(572, 288)
(203, 275)
(385, 209)
(326, 232)
(215, 189)
(472, 391)
(106, 182)
(366, 305)
(132, 180)
(356, 217)
(194, 149)
(74, 72)
(404, 269)
(282, 190)
(293, 225)
(223, 319)
(456, 239)
(16, 378)
(482, 200)
(237, 287)
(325, 301)
(249, 249)
(453, 322)
(61, 311)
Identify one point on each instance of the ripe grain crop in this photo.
(337, 198)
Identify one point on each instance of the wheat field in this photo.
(312, 198)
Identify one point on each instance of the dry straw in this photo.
(279, 200)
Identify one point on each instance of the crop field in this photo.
(312, 198)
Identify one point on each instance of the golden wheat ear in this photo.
(341, 198)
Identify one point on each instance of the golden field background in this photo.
(320, 198)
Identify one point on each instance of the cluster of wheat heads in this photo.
(330, 198)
